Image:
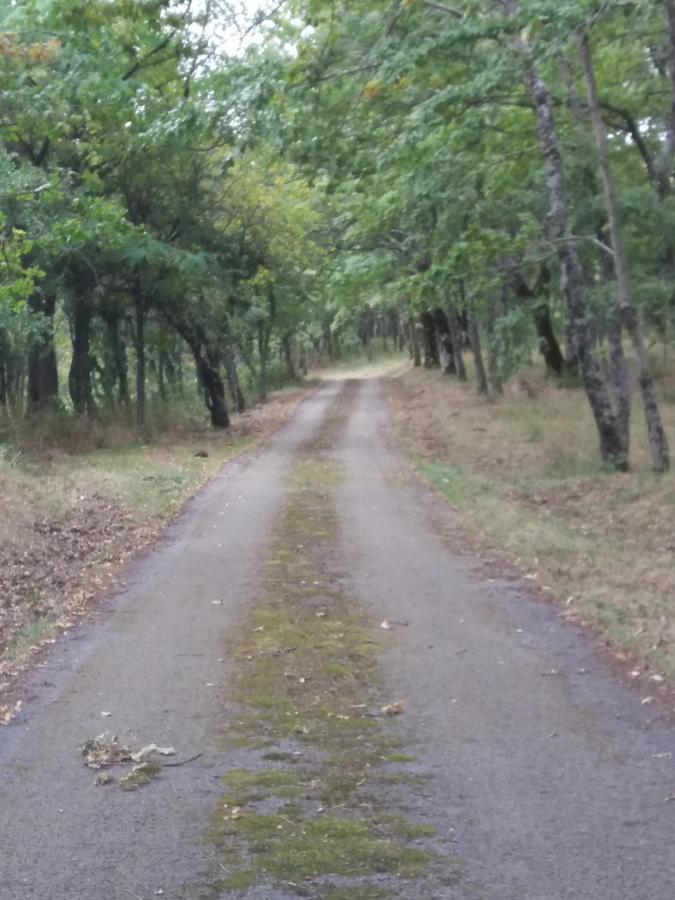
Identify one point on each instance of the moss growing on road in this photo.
(319, 810)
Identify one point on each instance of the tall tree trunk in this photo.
(664, 163)
(139, 316)
(431, 360)
(3, 384)
(630, 319)
(413, 328)
(161, 375)
(548, 343)
(494, 374)
(620, 381)
(43, 373)
(303, 359)
(213, 387)
(456, 339)
(263, 345)
(288, 356)
(79, 376)
(611, 449)
(446, 351)
(233, 382)
(476, 349)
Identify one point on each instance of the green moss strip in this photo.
(311, 814)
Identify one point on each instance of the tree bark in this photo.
(288, 356)
(415, 343)
(263, 343)
(620, 381)
(431, 360)
(611, 449)
(233, 382)
(303, 359)
(664, 162)
(213, 387)
(494, 374)
(658, 443)
(79, 376)
(445, 349)
(139, 315)
(548, 342)
(456, 339)
(43, 373)
(476, 349)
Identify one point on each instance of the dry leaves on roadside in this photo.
(7, 713)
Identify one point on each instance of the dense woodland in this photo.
(191, 192)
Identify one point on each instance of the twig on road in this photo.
(183, 762)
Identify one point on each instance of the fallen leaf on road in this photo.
(146, 752)
(393, 709)
(646, 700)
(7, 713)
(388, 626)
(104, 750)
(105, 713)
(139, 775)
(104, 778)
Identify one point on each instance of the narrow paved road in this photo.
(547, 786)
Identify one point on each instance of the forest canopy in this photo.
(226, 186)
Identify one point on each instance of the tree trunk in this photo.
(213, 387)
(431, 360)
(233, 382)
(161, 375)
(664, 164)
(263, 343)
(548, 343)
(303, 359)
(620, 382)
(456, 339)
(43, 373)
(3, 384)
(288, 356)
(494, 374)
(79, 376)
(474, 337)
(658, 442)
(611, 445)
(415, 343)
(139, 313)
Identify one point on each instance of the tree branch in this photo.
(441, 7)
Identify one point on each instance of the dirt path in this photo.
(519, 770)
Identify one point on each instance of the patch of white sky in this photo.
(233, 26)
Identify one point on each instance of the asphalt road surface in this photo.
(550, 775)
